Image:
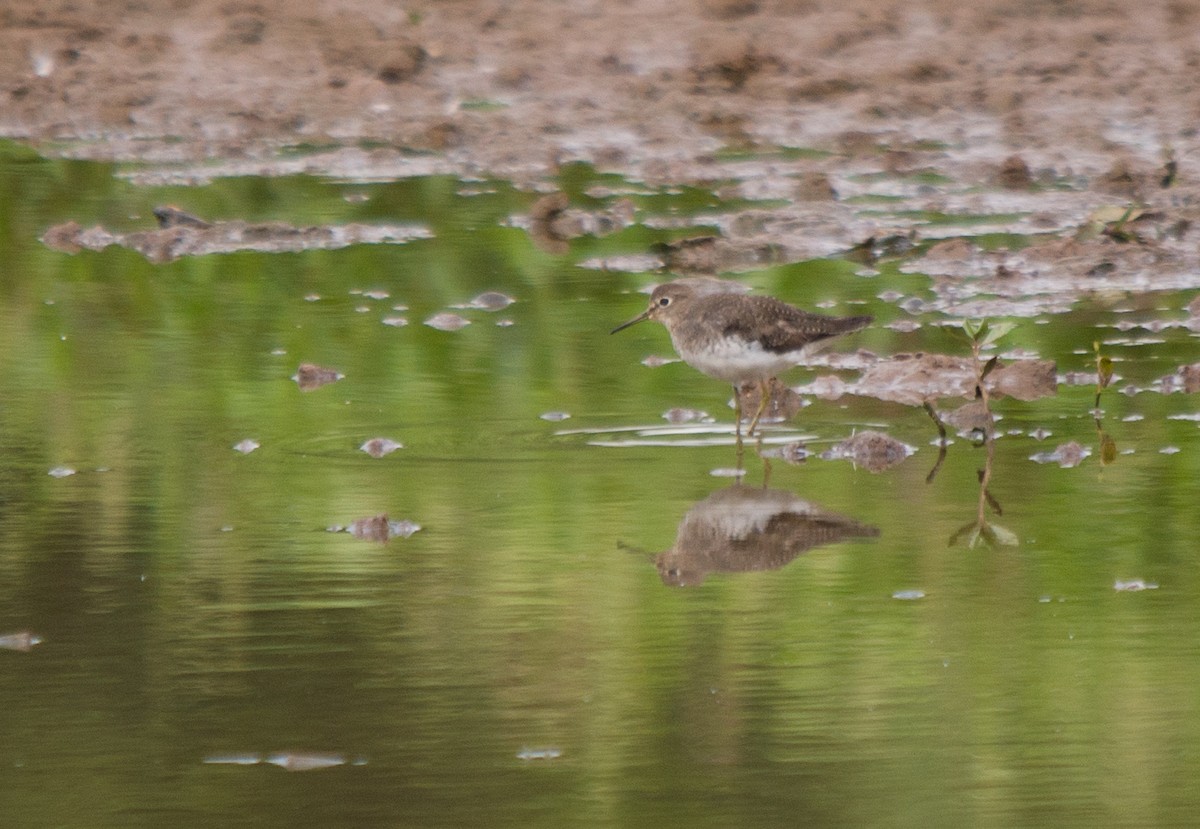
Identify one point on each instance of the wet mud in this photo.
(1044, 112)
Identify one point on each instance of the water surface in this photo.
(520, 660)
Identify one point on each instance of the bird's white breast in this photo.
(735, 360)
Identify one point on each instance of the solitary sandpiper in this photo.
(739, 338)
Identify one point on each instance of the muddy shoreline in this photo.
(1048, 110)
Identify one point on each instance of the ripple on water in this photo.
(528, 754)
(1133, 585)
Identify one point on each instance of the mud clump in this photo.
(814, 186)
(310, 376)
(914, 379)
(553, 222)
(951, 250)
(181, 234)
(730, 9)
(1187, 379)
(1124, 179)
(404, 63)
(240, 31)
(1025, 379)
(871, 450)
(727, 63)
(1014, 174)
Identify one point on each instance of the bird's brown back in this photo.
(778, 326)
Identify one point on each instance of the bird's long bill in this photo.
(645, 315)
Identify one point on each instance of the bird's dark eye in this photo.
(663, 302)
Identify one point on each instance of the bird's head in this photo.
(666, 302)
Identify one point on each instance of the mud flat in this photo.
(1049, 111)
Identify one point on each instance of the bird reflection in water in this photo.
(742, 529)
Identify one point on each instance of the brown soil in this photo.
(645, 85)
(1004, 95)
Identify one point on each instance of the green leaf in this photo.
(1108, 449)
(1105, 371)
(998, 330)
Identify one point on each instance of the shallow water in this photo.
(520, 659)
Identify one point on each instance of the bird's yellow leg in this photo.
(737, 416)
(764, 397)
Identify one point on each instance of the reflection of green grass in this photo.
(931, 177)
(193, 602)
(932, 217)
(577, 178)
(781, 153)
(306, 148)
(1003, 241)
(875, 198)
(483, 105)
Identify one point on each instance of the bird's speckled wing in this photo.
(777, 326)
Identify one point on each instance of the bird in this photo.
(737, 337)
(742, 529)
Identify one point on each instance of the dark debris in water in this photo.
(310, 376)
(970, 420)
(794, 453)
(705, 255)
(871, 450)
(553, 222)
(1185, 379)
(170, 216)
(1066, 455)
(378, 528)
